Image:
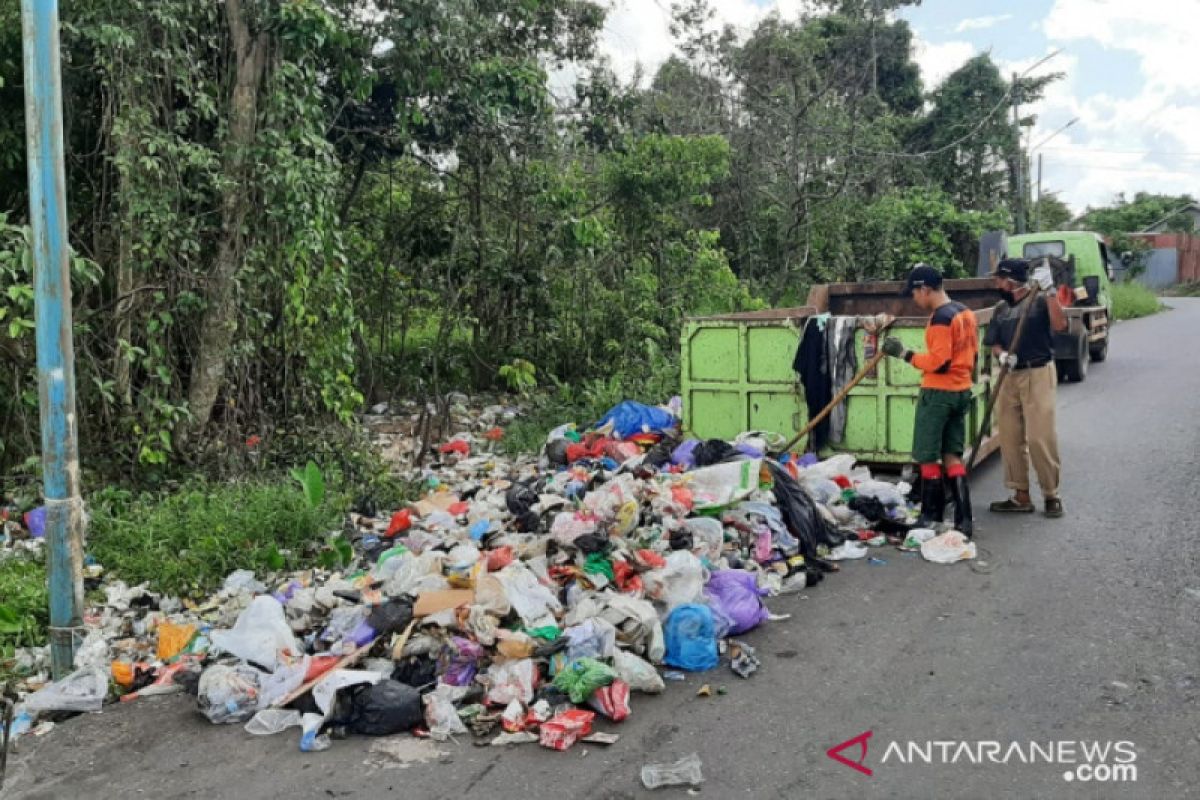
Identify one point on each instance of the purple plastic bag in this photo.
(35, 521)
(734, 596)
(685, 454)
(459, 661)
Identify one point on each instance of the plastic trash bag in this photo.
(629, 418)
(708, 533)
(724, 484)
(691, 638)
(271, 721)
(82, 690)
(684, 772)
(228, 694)
(948, 548)
(612, 701)
(638, 673)
(511, 681)
(848, 550)
(242, 580)
(581, 678)
(733, 595)
(532, 601)
(890, 494)
(593, 638)
(680, 581)
(441, 717)
(260, 634)
(459, 661)
(830, 468)
(415, 574)
(385, 708)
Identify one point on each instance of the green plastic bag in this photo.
(583, 677)
(599, 563)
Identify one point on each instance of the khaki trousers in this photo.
(1026, 415)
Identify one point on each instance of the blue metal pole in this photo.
(52, 310)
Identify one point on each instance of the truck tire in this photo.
(1075, 370)
(1099, 350)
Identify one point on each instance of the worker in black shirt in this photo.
(1025, 409)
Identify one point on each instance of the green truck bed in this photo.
(737, 370)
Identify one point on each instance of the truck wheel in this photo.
(1075, 369)
(1099, 350)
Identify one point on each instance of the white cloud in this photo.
(981, 23)
(937, 61)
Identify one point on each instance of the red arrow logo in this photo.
(835, 753)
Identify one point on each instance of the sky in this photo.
(1131, 81)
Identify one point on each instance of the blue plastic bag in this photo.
(691, 638)
(735, 597)
(629, 418)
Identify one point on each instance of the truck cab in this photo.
(1089, 271)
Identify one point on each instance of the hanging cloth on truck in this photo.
(842, 367)
(812, 364)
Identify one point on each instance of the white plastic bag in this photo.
(680, 581)
(638, 673)
(848, 550)
(890, 494)
(242, 580)
(228, 694)
(723, 484)
(840, 464)
(948, 548)
(709, 534)
(593, 638)
(440, 714)
(260, 634)
(83, 690)
(417, 573)
(532, 601)
(271, 721)
(510, 681)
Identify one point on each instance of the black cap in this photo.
(922, 275)
(1015, 269)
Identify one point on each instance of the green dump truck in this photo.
(737, 370)
(1087, 267)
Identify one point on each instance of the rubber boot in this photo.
(933, 503)
(960, 491)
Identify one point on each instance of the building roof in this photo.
(1193, 208)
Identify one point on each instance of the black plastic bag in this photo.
(714, 451)
(390, 617)
(383, 709)
(418, 672)
(800, 514)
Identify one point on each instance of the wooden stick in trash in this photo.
(986, 423)
(841, 395)
(342, 663)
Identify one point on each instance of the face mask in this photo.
(1009, 297)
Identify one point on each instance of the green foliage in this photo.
(520, 375)
(186, 542)
(24, 604)
(1145, 209)
(312, 482)
(1133, 300)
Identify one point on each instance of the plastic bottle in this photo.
(685, 771)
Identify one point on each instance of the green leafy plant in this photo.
(520, 375)
(312, 482)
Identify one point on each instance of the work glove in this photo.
(1043, 278)
(895, 348)
(1007, 360)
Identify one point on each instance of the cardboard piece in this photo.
(440, 600)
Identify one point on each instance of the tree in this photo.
(1051, 214)
(1144, 210)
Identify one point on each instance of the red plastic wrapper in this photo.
(683, 496)
(622, 451)
(458, 509)
(457, 446)
(626, 577)
(401, 521)
(612, 701)
(494, 435)
(648, 559)
(319, 665)
(499, 558)
(842, 481)
(561, 732)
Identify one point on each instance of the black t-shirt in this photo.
(1037, 337)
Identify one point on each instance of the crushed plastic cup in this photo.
(684, 772)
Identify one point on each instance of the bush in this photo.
(1133, 300)
(187, 542)
(24, 604)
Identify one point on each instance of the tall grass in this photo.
(1133, 300)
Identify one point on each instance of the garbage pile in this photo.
(515, 601)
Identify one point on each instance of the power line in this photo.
(1175, 154)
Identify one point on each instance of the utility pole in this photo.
(1018, 164)
(1037, 209)
(52, 312)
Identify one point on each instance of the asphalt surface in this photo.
(1085, 628)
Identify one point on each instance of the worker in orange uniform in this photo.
(948, 367)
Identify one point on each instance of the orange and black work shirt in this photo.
(951, 343)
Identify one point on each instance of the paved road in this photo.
(1085, 629)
